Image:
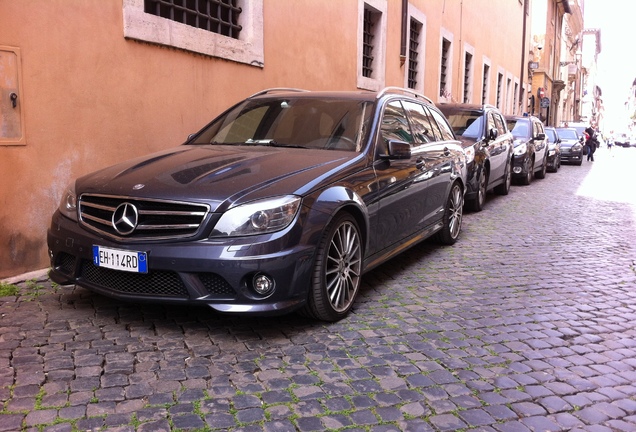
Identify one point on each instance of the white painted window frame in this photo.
(420, 17)
(448, 94)
(468, 49)
(377, 81)
(486, 62)
(248, 49)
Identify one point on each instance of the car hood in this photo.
(220, 174)
(569, 143)
(468, 141)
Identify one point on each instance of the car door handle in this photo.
(446, 151)
(419, 163)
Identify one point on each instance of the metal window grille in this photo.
(484, 88)
(499, 89)
(216, 16)
(468, 66)
(414, 52)
(367, 42)
(444, 66)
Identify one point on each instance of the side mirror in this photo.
(540, 137)
(398, 150)
(493, 133)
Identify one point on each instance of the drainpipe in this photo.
(523, 53)
(405, 12)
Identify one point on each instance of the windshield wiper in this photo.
(270, 143)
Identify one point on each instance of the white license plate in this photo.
(117, 259)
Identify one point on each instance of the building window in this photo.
(414, 49)
(370, 25)
(484, 88)
(227, 29)
(515, 104)
(217, 16)
(499, 89)
(445, 69)
(468, 72)
(371, 44)
(508, 95)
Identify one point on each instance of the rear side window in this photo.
(445, 129)
(394, 125)
(421, 123)
(501, 125)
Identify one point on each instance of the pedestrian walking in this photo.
(591, 143)
(610, 141)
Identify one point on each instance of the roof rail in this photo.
(277, 89)
(404, 91)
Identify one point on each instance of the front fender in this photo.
(325, 204)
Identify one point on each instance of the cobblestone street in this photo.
(527, 323)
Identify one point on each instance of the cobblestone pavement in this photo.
(527, 323)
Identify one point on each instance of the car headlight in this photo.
(257, 217)
(576, 147)
(521, 149)
(68, 203)
(551, 152)
(470, 154)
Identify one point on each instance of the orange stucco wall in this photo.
(92, 98)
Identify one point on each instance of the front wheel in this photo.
(529, 173)
(504, 188)
(477, 204)
(544, 169)
(452, 220)
(337, 271)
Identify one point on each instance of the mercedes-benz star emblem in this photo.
(125, 218)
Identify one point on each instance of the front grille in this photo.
(156, 219)
(154, 283)
(158, 283)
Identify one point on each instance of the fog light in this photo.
(516, 170)
(262, 284)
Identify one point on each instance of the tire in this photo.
(529, 173)
(477, 204)
(337, 271)
(452, 220)
(504, 188)
(544, 169)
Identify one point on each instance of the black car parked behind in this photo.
(571, 145)
(531, 148)
(488, 146)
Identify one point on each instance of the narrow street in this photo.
(527, 323)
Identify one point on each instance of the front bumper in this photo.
(568, 156)
(520, 165)
(218, 274)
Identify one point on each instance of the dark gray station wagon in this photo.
(279, 204)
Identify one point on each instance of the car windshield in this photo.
(551, 135)
(468, 124)
(317, 123)
(569, 134)
(519, 128)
